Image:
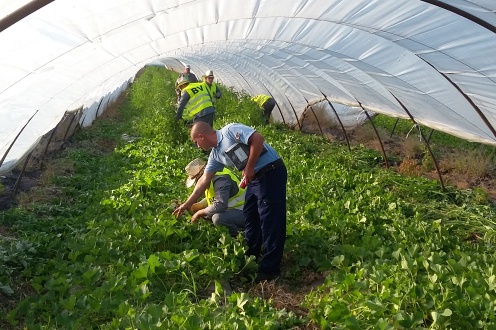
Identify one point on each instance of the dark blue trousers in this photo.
(265, 219)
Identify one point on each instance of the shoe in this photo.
(266, 277)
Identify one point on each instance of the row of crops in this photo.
(98, 247)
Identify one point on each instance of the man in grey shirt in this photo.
(186, 75)
(224, 199)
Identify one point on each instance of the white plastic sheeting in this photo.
(436, 59)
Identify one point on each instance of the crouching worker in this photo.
(224, 199)
(266, 103)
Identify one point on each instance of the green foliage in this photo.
(397, 251)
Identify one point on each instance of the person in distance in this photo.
(213, 89)
(195, 103)
(266, 103)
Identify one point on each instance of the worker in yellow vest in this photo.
(266, 103)
(213, 89)
(195, 103)
(224, 199)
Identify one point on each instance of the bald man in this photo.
(265, 202)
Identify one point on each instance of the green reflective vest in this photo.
(199, 99)
(235, 201)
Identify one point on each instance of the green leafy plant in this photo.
(104, 251)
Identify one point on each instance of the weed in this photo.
(410, 167)
(473, 163)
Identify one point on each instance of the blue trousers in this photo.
(265, 219)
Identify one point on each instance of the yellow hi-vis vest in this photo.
(199, 99)
(236, 201)
(260, 99)
(212, 90)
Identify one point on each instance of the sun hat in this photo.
(209, 73)
(182, 81)
(193, 169)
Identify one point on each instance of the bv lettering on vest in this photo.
(197, 90)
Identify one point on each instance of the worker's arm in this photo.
(222, 191)
(218, 93)
(200, 188)
(182, 104)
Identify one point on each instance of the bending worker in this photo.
(214, 91)
(224, 199)
(267, 103)
(265, 175)
(195, 103)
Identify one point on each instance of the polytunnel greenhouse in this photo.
(87, 105)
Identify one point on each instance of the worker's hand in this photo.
(197, 215)
(178, 211)
(248, 175)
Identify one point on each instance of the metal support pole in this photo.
(426, 143)
(18, 181)
(394, 127)
(69, 127)
(278, 108)
(48, 143)
(430, 135)
(339, 120)
(15, 139)
(296, 116)
(316, 119)
(378, 137)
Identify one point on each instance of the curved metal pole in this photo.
(18, 181)
(280, 112)
(69, 127)
(316, 119)
(430, 135)
(469, 100)
(78, 125)
(22, 12)
(98, 109)
(426, 143)
(463, 13)
(294, 111)
(48, 143)
(339, 120)
(15, 139)
(394, 127)
(378, 137)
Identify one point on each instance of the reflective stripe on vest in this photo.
(199, 99)
(235, 201)
(260, 99)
